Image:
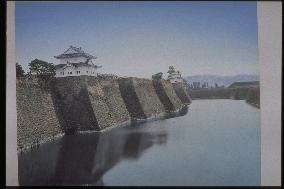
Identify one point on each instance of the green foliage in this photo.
(19, 70)
(41, 68)
(157, 76)
(196, 85)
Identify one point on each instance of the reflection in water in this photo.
(182, 112)
(217, 143)
(84, 158)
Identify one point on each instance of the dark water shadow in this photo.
(81, 159)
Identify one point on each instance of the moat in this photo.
(217, 142)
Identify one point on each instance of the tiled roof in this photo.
(78, 52)
(83, 64)
(59, 66)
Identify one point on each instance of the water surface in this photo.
(216, 143)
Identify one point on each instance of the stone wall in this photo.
(253, 96)
(240, 93)
(167, 95)
(212, 93)
(182, 93)
(130, 98)
(73, 104)
(250, 94)
(88, 103)
(107, 103)
(69, 104)
(220, 93)
(36, 115)
(149, 100)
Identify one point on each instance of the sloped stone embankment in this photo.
(70, 104)
(36, 116)
(182, 93)
(167, 95)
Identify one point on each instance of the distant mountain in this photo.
(221, 80)
(244, 84)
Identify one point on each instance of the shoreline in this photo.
(161, 116)
(43, 141)
(254, 105)
(86, 102)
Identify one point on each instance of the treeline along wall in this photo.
(250, 94)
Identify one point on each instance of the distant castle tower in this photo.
(174, 76)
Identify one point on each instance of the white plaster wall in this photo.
(70, 69)
(176, 80)
(91, 71)
(83, 71)
(57, 73)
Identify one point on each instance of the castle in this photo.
(174, 76)
(75, 62)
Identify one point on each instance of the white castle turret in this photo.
(174, 76)
(75, 62)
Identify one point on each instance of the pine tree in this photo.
(19, 70)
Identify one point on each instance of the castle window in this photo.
(78, 72)
(70, 72)
(87, 71)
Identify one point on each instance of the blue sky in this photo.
(143, 38)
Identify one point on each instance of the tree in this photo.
(198, 85)
(204, 85)
(157, 76)
(19, 70)
(41, 68)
